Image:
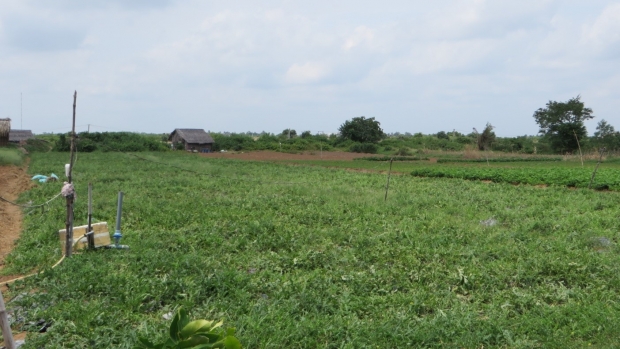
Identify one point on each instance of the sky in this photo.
(416, 66)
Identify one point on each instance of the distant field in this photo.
(560, 173)
(311, 257)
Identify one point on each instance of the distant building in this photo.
(193, 139)
(20, 136)
(5, 127)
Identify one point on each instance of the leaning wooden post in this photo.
(89, 235)
(387, 186)
(601, 151)
(9, 343)
(579, 145)
(69, 222)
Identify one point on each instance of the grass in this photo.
(10, 157)
(309, 257)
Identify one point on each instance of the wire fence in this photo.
(30, 206)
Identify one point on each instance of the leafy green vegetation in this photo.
(532, 171)
(562, 124)
(197, 334)
(369, 148)
(112, 141)
(310, 257)
(453, 159)
(362, 130)
(10, 156)
(575, 177)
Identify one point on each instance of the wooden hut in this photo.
(193, 139)
(20, 136)
(5, 128)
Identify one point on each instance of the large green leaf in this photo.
(180, 321)
(193, 342)
(195, 327)
(145, 343)
(229, 342)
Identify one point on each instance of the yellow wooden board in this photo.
(102, 236)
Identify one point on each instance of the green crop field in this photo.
(533, 172)
(312, 257)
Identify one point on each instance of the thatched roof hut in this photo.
(5, 127)
(194, 139)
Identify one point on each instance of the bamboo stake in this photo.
(69, 222)
(387, 186)
(601, 151)
(89, 236)
(579, 145)
(9, 343)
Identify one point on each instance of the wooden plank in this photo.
(102, 235)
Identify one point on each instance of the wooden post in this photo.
(601, 151)
(69, 222)
(580, 153)
(387, 186)
(486, 155)
(9, 343)
(90, 237)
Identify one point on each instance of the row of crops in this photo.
(569, 177)
(449, 160)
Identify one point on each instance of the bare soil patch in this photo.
(277, 156)
(13, 181)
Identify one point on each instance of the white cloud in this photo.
(306, 73)
(604, 33)
(361, 35)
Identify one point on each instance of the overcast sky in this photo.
(416, 66)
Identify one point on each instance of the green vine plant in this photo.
(197, 334)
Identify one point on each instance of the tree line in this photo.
(561, 131)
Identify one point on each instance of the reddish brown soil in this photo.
(13, 181)
(277, 156)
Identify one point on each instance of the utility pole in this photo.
(88, 128)
(21, 111)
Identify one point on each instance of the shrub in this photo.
(111, 141)
(368, 148)
(37, 144)
(403, 151)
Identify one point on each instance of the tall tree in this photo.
(288, 133)
(486, 138)
(604, 129)
(562, 123)
(362, 130)
(606, 136)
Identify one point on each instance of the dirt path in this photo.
(13, 181)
